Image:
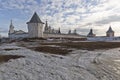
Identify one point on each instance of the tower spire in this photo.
(11, 29)
(46, 26)
(59, 31)
(11, 23)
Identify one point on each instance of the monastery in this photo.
(39, 29)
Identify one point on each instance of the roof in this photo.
(35, 19)
(19, 32)
(110, 30)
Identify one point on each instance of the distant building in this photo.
(110, 32)
(91, 34)
(73, 33)
(14, 34)
(109, 36)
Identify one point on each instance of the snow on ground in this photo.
(80, 65)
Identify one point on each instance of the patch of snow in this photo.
(77, 66)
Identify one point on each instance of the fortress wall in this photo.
(16, 36)
(61, 36)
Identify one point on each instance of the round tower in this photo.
(35, 27)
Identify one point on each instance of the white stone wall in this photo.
(111, 34)
(101, 38)
(35, 30)
(61, 36)
(16, 36)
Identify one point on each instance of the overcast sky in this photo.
(67, 14)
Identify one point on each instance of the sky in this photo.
(81, 15)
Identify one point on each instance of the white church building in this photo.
(14, 34)
(39, 29)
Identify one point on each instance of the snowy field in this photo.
(79, 65)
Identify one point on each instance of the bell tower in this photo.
(11, 28)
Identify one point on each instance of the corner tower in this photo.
(35, 27)
(110, 32)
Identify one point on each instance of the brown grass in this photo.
(64, 47)
(6, 58)
(87, 45)
(52, 50)
(32, 39)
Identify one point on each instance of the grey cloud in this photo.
(3, 30)
(108, 20)
(113, 18)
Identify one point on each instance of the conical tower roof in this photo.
(35, 19)
(110, 30)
